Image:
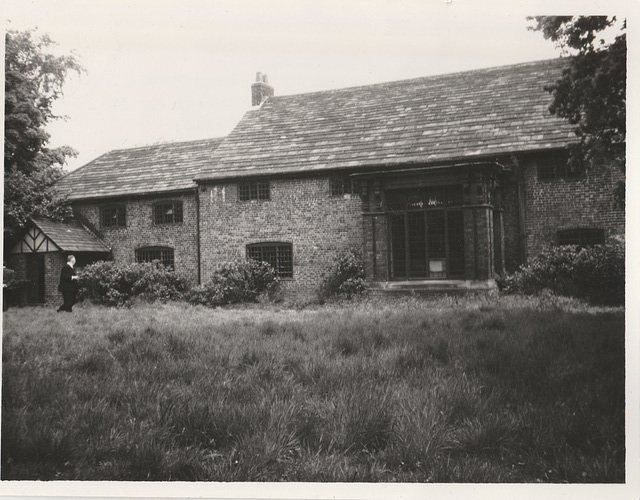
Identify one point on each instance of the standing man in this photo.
(68, 285)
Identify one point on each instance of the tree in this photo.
(591, 93)
(34, 78)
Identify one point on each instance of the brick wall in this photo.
(511, 224)
(142, 232)
(300, 211)
(375, 254)
(585, 202)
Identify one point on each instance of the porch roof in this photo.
(70, 236)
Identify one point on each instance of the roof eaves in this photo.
(227, 175)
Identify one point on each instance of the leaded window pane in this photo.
(163, 254)
(114, 216)
(253, 191)
(277, 255)
(340, 185)
(167, 213)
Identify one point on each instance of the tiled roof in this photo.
(425, 120)
(150, 169)
(70, 236)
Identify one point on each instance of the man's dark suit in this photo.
(68, 287)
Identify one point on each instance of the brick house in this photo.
(444, 181)
(440, 182)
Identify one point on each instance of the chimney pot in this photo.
(260, 90)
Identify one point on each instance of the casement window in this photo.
(255, 190)
(168, 212)
(555, 167)
(341, 185)
(149, 254)
(277, 255)
(113, 216)
(581, 236)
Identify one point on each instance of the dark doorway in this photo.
(35, 274)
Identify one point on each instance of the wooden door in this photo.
(35, 274)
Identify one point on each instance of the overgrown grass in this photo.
(411, 390)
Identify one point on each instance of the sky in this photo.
(175, 70)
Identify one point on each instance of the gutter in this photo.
(374, 168)
(433, 168)
(127, 196)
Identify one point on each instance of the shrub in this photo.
(595, 273)
(115, 285)
(345, 278)
(235, 283)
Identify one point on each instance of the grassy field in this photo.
(414, 390)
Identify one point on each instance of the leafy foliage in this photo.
(595, 273)
(346, 277)
(111, 284)
(592, 91)
(34, 78)
(235, 283)
(116, 285)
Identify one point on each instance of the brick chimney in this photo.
(260, 90)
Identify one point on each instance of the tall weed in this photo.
(491, 390)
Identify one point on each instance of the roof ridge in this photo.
(166, 143)
(423, 78)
